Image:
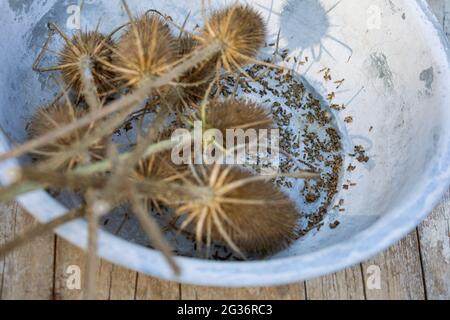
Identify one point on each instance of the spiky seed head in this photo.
(146, 49)
(98, 49)
(242, 32)
(254, 217)
(195, 82)
(271, 227)
(237, 114)
(158, 166)
(55, 116)
(155, 167)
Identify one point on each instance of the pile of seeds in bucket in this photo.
(308, 135)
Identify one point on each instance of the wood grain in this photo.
(149, 288)
(6, 223)
(113, 282)
(122, 283)
(289, 292)
(345, 285)
(401, 272)
(27, 272)
(67, 255)
(435, 249)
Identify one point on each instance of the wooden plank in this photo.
(400, 272)
(123, 283)
(113, 282)
(6, 224)
(27, 272)
(104, 280)
(68, 260)
(435, 249)
(344, 285)
(149, 288)
(289, 292)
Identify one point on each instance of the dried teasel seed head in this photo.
(98, 49)
(195, 82)
(237, 114)
(249, 215)
(241, 31)
(186, 44)
(147, 49)
(158, 166)
(62, 154)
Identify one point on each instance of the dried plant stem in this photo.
(25, 186)
(154, 233)
(40, 230)
(90, 278)
(125, 166)
(89, 87)
(105, 165)
(80, 176)
(18, 188)
(128, 101)
(97, 132)
(57, 179)
(296, 175)
(166, 191)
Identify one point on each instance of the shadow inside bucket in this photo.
(305, 24)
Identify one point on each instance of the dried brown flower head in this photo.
(55, 154)
(241, 31)
(244, 212)
(160, 167)
(194, 83)
(237, 114)
(98, 49)
(147, 49)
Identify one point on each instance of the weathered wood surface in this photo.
(344, 285)
(400, 272)
(435, 248)
(28, 272)
(289, 292)
(417, 267)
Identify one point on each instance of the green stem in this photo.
(23, 187)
